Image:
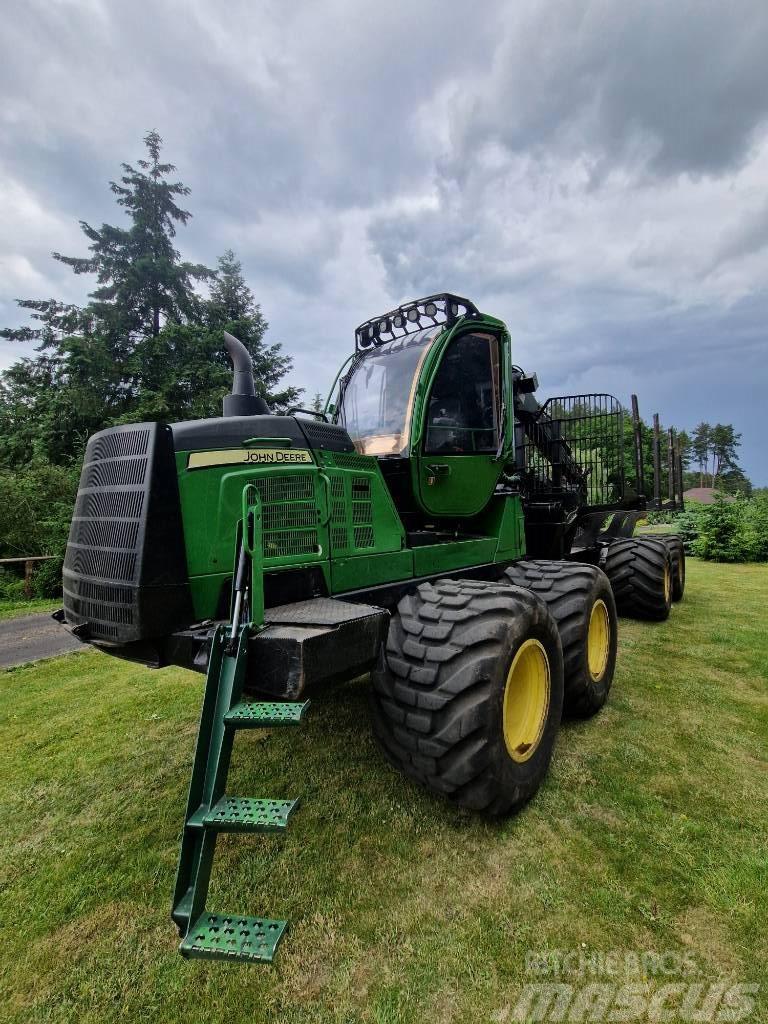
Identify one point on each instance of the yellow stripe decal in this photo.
(249, 457)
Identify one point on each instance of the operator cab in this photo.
(428, 404)
(377, 402)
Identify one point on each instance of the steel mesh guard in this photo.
(576, 444)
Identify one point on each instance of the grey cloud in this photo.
(748, 237)
(666, 88)
(592, 172)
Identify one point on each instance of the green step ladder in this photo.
(210, 809)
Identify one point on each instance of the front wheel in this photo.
(468, 696)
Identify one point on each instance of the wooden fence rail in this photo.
(29, 563)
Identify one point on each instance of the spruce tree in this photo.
(142, 280)
(147, 345)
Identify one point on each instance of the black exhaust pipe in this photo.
(243, 401)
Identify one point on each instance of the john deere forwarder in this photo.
(436, 526)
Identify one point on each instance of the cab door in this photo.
(458, 464)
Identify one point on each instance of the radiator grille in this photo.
(362, 512)
(280, 543)
(297, 487)
(364, 537)
(290, 515)
(279, 517)
(352, 528)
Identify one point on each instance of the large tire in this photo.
(467, 699)
(677, 554)
(581, 602)
(640, 573)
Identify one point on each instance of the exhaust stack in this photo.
(243, 400)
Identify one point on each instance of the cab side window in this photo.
(463, 411)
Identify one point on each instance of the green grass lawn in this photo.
(31, 606)
(650, 835)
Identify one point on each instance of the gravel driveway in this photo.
(32, 638)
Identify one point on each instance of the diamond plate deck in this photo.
(264, 714)
(233, 937)
(319, 611)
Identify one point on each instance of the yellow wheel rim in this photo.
(526, 700)
(598, 640)
(667, 583)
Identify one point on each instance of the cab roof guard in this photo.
(443, 308)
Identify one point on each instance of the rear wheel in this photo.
(581, 602)
(468, 696)
(640, 573)
(677, 554)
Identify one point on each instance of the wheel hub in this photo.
(598, 640)
(526, 700)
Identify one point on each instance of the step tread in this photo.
(233, 937)
(260, 714)
(249, 814)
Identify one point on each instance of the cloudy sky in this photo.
(592, 172)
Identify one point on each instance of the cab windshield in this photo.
(377, 402)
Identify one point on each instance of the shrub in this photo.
(687, 524)
(11, 586)
(46, 581)
(35, 509)
(662, 517)
(735, 531)
(721, 532)
(755, 528)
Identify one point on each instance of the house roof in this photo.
(705, 495)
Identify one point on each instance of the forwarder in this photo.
(436, 526)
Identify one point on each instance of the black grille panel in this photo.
(93, 610)
(109, 505)
(125, 576)
(110, 565)
(353, 462)
(114, 472)
(108, 533)
(101, 592)
(111, 446)
(326, 435)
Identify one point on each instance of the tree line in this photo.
(712, 450)
(147, 345)
(709, 456)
